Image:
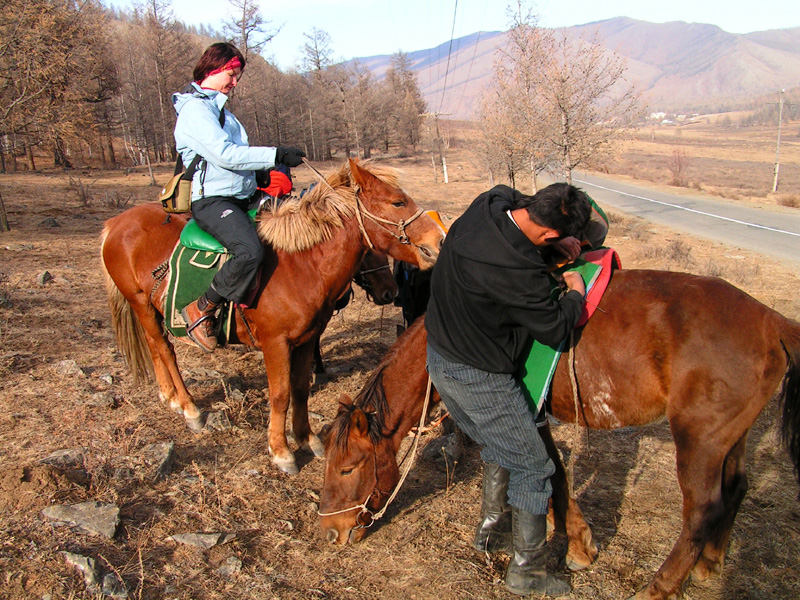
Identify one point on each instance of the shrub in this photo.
(790, 200)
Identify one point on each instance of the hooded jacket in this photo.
(230, 163)
(490, 291)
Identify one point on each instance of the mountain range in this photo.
(680, 67)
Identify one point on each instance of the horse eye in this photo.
(398, 204)
(345, 472)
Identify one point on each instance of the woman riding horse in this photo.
(224, 182)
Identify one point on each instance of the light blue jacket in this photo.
(230, 162)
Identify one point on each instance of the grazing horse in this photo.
(374, 276)
(313, 247)
(694, 349)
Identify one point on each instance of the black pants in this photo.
(226, 219)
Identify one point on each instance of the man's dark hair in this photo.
(559, 206)
(215, 57)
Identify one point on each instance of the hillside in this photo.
(680, 66)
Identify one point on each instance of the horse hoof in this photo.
(316, 446)
(287, 464)
(289, 469)
(197, 423)
(577, 563)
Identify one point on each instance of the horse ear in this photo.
(344, 403)
(359, 422)
(360, 176)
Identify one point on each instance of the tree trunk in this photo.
(29, 154)
(4, 226)
(112, 158)
(59, 154)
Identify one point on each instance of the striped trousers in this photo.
(490, 409)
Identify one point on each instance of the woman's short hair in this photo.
(215, 57)
(559, 206)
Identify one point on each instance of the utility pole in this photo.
(438, 144)
(778, 149)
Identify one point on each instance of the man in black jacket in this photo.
(490, 294)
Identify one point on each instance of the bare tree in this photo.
(324, 113)
(248, 28)
(678, 165)
(49, 51)
(406, 104)
(558, 101)
(584, 89)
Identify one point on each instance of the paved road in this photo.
(774, 231)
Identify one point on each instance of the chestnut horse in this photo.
(313, 248)
(694, 349)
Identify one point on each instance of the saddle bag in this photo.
(176, 196)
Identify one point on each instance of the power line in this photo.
(449, 51)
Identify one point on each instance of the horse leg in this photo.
(301, 381)
(172, 389)
(277, 359)
(319, 366)
(734, 488)
(700, 465)
(567, 515)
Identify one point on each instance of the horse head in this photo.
(360, 473)
(375, 277)
(390, 220)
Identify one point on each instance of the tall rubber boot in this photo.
(493, 533)
(527, 571)
(201, 323)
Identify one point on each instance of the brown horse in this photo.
(374, 276)
(694, 349)
(313, 248)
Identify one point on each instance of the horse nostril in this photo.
(332, 535)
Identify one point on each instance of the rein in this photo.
(361, 212)
(363, 506)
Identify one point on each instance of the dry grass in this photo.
(223, 481)
(735, 163)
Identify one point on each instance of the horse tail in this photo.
(127, 328)
(790, 393)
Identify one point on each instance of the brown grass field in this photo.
(223, 481)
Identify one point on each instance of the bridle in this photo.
(375, 491)
(363, 283)
(361, 212)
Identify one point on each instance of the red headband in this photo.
(231, 64)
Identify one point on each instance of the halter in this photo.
(363, 283)
(363, 506)
(361, 212)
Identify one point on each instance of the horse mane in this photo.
(371, 399)
(297, 224)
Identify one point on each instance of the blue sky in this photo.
(361, 28)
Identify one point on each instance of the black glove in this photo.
(291, 157)
(263, 178)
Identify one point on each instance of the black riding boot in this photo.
(527, 571)
(494, 530)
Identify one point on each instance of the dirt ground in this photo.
(222, 481)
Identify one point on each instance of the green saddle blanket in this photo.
(194, 262)
(537, 371)
(190, 273)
